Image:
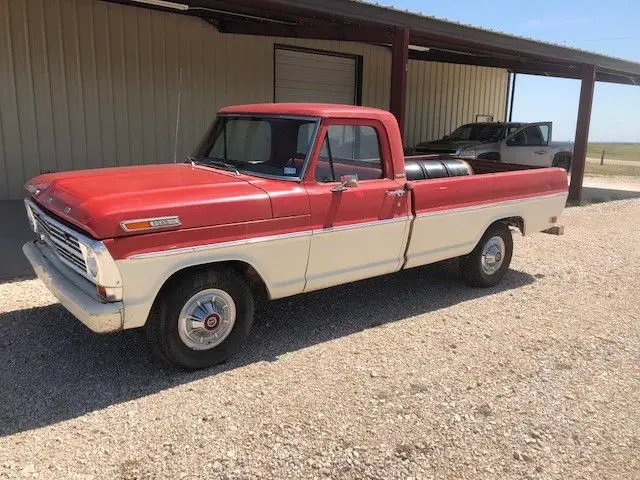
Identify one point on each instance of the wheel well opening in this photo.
(516, 222)
(253, 278)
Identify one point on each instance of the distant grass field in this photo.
(615, 151)
(612, 170)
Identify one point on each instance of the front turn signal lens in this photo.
(150, 224)
(109, 294)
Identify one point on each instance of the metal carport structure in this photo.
(417, 37)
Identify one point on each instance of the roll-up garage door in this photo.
(314, 77)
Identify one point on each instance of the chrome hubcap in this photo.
(493, 255)
(207, 319)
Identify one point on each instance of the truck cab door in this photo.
(529, 145)
(359, 211)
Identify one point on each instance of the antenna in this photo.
(175, 141)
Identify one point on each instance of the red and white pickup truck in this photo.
(278, 199)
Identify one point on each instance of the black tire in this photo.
(162, 325)
(563, 161)
(471, 265)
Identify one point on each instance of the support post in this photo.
(513, 95)
(399, 70)
(582, 133)
(506, 98)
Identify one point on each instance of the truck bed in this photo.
(452, 212)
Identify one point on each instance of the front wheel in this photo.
(489, 261)
(201, 319)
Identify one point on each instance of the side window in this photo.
(542, 135)
(518, 140)
(324, 167)
(350, 150)
(535, 135)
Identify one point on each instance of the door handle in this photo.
(396, 193)
(540, 152)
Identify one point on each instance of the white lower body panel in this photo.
(446, 234)
(304, 261)
(281, 261)
(346, 254)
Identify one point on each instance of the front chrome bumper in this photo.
(74, 292)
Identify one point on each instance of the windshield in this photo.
(264, 146)
(478, 131)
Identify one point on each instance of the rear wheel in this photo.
(487, 264)
(201, 319)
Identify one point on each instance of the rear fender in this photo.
(513, 218)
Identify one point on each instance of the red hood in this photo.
(98, 200)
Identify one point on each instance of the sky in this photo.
(610, 27)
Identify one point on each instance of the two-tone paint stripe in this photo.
(340, 228)
(470, 208)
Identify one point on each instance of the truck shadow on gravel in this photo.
(54, 369)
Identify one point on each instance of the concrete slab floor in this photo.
(607, 189)
(14, 232)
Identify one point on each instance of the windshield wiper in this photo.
(223, 165)
(214, 162)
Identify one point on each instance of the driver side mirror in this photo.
(446, 137)
(346, 182)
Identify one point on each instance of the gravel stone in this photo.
(413, 375)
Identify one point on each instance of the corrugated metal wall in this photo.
(85, 83)
(442, 96)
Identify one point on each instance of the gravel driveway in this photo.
(409, 375)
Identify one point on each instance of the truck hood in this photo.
(98, 200)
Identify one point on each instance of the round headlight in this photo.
(92, 263)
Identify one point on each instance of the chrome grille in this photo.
(62, 239)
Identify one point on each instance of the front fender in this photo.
(280, 261)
